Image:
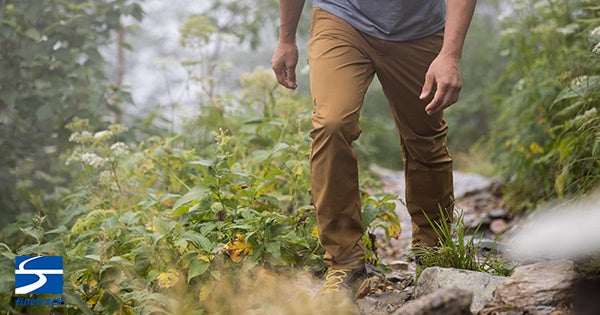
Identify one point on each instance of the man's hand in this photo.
(444, 76)
(285, 58)
(444, 71)
(284, 63)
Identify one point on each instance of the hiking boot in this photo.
(344, 280)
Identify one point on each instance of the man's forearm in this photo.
(289, 14)
(458, 18)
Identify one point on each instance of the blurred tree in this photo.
(51, 72)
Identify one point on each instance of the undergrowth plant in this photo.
(458, 248)
(547, 138)
(152, 227)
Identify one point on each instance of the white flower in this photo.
(119, 148)
(596, 50)
(74, 137)
(80, 137)
(73, 158)
(92, 160)
(580, 81)
(520, 85)
(568, 29)
(509, 31)
(102, 135)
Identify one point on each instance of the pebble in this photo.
(497, 226)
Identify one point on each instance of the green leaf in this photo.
(35, 232)
(44, 112)
(152, 275)
(33, 34)
(71, 298)
(274, 248)
(198, 239)
(195, 193)
(561, 181)
(111, 302)
(207, 163)
(2, 245)
(369, 214)
(198, 267)
(94, 257)
(129, 218)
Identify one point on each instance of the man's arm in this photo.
(444, 71)
(285, 58)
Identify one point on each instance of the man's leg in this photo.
(340, 74)
(427, 163)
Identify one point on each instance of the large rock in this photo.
(541, 288)
(481, 284)
(445, 301)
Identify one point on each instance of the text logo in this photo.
(38, 275)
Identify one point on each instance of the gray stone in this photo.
(499, 213)
(540, 288)
(481, 284)
(398, 265)
(384, 303)
(465, 183)
(445, 301)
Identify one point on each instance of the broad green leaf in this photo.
(274, 248)
(369, 214)
(130, 218)
(196, 193)
(35, 232)
(198, 267)
(33, 34)
(111, 302)
(75, 299)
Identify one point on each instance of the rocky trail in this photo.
(535, 287)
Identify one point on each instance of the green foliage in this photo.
(547, 139)
(153, 226)
(457, 248)
(472, 117)
(51, 71)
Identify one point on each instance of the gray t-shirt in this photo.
(395, 20)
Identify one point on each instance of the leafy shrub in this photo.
(149, 226)
(51, 69)
(547, 139)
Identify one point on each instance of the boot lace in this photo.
(334, 279)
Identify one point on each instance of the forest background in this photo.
(153, 173)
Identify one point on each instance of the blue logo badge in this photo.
(38, 275)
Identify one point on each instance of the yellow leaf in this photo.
(238, 248)
(395, 230)
(148, 165)
(168, 279)
(205, 291)
(92, 282)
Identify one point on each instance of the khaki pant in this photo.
(343, 62)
